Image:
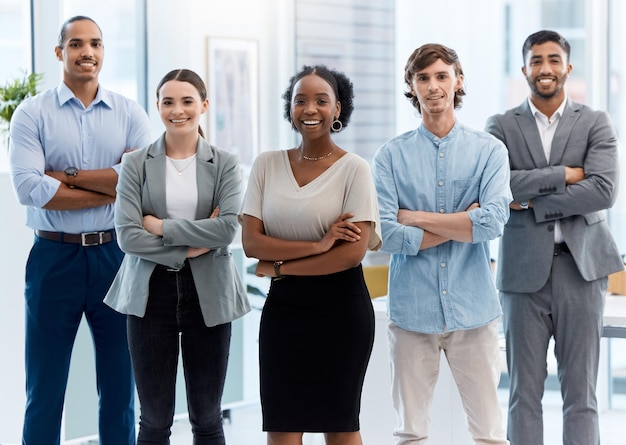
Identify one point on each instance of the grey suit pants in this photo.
(570, 310)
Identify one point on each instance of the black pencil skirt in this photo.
(315, 342)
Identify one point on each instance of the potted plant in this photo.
(13, 93)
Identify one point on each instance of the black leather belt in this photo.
(561, 249)
(84, 239)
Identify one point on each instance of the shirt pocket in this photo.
(466, 193)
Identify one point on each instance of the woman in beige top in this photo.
(310, 214)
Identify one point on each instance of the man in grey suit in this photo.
(556, 250)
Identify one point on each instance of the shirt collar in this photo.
(436, 139)
(65, 95)
(557, 114)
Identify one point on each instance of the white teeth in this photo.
(178, 121)
(545, 80)
(311, 122)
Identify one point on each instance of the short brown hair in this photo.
(425, 56)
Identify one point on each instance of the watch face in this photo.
(71, 171)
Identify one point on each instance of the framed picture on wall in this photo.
(233, 84)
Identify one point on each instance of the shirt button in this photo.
(444, 292)
(443, 264)
(441, 211)
(440, 183)
(441, 155)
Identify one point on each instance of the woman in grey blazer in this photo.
(175, 216)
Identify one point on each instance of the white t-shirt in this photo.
(291, 212)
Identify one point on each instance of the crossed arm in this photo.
(439, 227)
(343, 246)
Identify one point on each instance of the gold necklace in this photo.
(318, 158)
(181, 170)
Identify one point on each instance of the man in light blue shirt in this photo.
(443, 194)
(65, 150)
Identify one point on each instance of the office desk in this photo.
(615, 316)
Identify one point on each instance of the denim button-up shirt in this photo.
(448, 287)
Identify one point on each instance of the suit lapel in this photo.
(530, 132)
(563, 131)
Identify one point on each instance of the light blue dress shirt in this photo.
(449, 287)
(52, 131)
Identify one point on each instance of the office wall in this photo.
(474, 36)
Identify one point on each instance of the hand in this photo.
(215, 213)
(473, 206)
(574, 175)
(407, 217)
(517, 206)
(153, 225)
(264, 269)
(127, 150)
(340, 230)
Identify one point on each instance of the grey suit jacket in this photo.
(584, 138)
(141, 191)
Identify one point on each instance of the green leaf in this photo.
(14, 92)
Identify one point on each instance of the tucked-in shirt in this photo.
(547, 126)
(294, 212)
(52, 131)
(449, 287)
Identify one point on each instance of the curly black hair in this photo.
(341, 85)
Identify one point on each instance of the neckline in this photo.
(292, 177)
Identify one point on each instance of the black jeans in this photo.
(173, 313)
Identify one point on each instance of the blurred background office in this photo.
(248, 49)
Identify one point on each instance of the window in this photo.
(123, 24)
(356, 37)
(15, 53)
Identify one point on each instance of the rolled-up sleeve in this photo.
(397, 238)
(27, 161)
(495, 196)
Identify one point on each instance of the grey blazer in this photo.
(141, 191)
(584, 138)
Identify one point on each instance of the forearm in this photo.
(76, 199)
(449, 226)
(430, 240)
(102, 181)
(267, 248)
(339, 258)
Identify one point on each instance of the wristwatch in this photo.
(277, 265)
(524, 204)
(71, 172)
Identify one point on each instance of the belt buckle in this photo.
(86, 243)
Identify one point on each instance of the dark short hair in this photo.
(339, 82)
(76, 18)
(185, 75)
(544, 36)
(425, 56)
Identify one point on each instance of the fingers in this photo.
(215, 213)
(344, 216)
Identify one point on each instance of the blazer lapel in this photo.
(563, 131)
(155, 177)
(530, 132)
(206, 173)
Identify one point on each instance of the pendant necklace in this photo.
(318, 158)
(181, 170)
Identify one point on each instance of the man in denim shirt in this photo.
(443, 194)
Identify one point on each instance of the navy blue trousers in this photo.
(63, 283)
